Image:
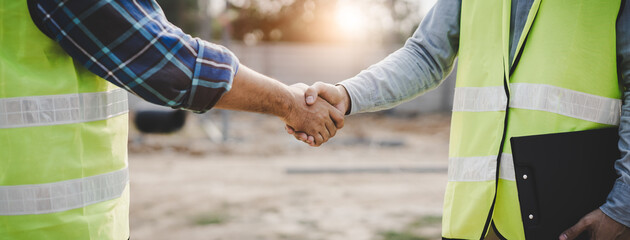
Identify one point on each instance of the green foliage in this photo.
(413, 229)
(425, 221)
(210, 218)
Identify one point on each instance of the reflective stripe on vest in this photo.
(62, 196)
(63, 139)
(477, 169)
(479, 99)
(539, 97)
(61, 109)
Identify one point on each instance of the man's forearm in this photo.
(254, 92)
(425, 60)
(618, 204)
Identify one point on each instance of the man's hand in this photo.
(334, 95)
(319, 119)
(254, 92)
(600, 226)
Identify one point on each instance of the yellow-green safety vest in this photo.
(563, 78)
(63, 140)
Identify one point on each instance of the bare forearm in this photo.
(254, 92)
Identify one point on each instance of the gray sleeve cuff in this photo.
(617, 205)
(359, 95)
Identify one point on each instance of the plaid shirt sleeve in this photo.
(131, 44)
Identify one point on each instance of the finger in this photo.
(301, 136)
(326, 131)
(325, 135)
(297, 137)
(332, 129)
(575, 231)
(289, 129)
(319, 139)
(337, 117)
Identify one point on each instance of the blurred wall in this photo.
(309, 63)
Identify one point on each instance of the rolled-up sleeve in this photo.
(421, 65)
(132, 45)
(617, 205)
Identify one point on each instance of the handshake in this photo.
(317, 113)
(312, 114)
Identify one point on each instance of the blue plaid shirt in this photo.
(132, 45)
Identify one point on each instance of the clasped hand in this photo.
(600, 227)
(319, 112)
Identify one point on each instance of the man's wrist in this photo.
(284, 104)
(617, 205)
(345, 98)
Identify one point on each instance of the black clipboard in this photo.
(562, 177)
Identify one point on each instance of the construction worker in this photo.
(63, 107)
(563, 65)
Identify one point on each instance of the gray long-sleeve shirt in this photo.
(428, 56)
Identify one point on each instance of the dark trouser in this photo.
(491, 235)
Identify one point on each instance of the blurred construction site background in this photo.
(233, 175)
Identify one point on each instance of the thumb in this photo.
(311, 95)
(574, 231)
(324, 90)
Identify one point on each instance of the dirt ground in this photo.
(379, 178)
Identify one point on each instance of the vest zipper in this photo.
(496, 178)
(507, 110)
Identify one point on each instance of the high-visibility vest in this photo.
(63, 140)
(563, 78)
